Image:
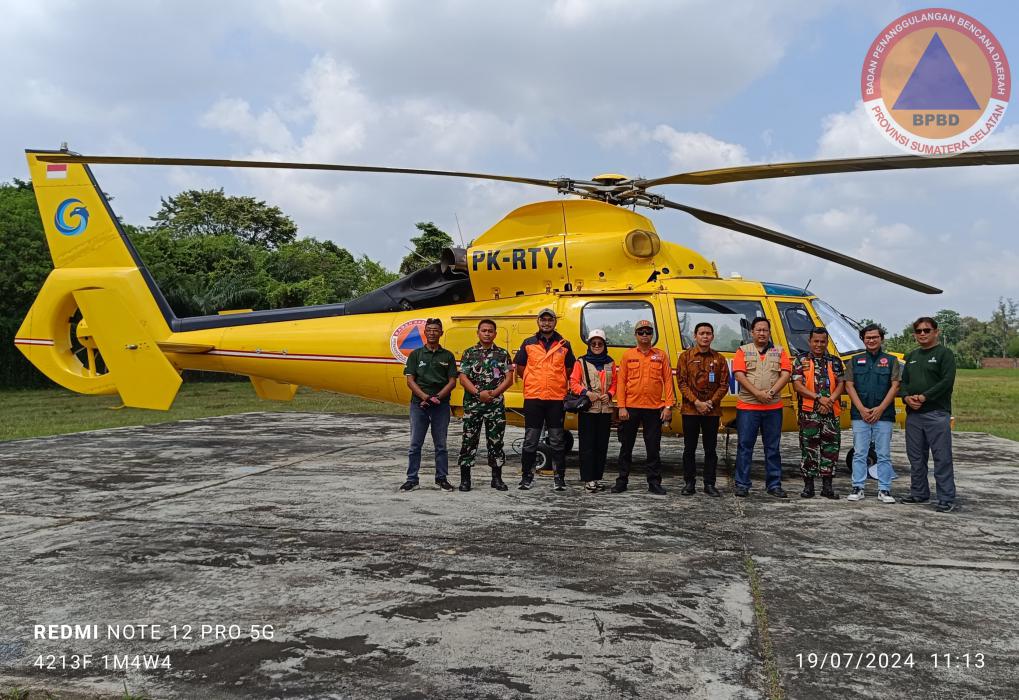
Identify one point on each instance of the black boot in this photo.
(465, 479)
(497, 482)
(808, 487)
(827, 490)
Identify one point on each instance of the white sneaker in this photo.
(885, 497)
(591, 486)
(856, 495)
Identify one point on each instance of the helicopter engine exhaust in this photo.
(453, 260)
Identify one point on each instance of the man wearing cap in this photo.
(431, 376)
(762, 369)
(645, 397)
(819, 380)
(544, 361)
(703, 378)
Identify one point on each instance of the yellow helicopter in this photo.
(598, 263)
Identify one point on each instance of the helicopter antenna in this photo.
(459, 230)
(807, 285)
(414, 252)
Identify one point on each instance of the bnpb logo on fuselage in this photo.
(936, 82)
(71, 220)
(407, 338)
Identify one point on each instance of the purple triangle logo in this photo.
(936, 82)
(413, 340)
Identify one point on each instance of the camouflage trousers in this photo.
(820, 440)
(492, 418)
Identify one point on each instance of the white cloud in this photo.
(849, 134)
(684, 150)
(234, 115)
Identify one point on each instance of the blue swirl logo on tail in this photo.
(73, 222)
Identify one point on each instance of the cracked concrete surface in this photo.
(294, 521)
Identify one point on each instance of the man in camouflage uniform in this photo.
(485, 373)
(819, 380)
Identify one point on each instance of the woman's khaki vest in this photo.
(598, 406)
(762, 372)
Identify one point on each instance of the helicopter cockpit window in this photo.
(730, 319)
(842, 330)
(617, 319)
(797, 324)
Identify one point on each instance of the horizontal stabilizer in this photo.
(143, 375)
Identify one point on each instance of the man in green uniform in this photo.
(819, 379)
(484, 374)
(927, 382)
(431, 376)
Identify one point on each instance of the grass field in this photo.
(985, 400)
(55, 411)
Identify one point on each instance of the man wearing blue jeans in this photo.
(872, 382)
(761, 369)
(431, 375)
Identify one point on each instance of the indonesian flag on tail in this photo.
(56, 171)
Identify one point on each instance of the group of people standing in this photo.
(641, 387)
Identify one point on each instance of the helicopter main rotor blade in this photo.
(222, 163)
(768, 171)
(767, 234)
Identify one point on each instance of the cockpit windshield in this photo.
(843, 331)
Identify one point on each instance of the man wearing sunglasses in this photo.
(927, 382)
(645, 397)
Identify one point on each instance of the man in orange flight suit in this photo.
(645, 396)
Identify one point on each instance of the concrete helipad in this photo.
(278, 560)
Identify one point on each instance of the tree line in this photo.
(969, 338)
(208, 251)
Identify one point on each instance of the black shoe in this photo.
(690, 489)
(445, 485)
(827, 490)
(526, 484)
(777, 492)
(712, 491)
(618, 488)
(808, 487)
(465, 485)
(498, 484)
(656, 489)
(741, 492)
(914, 500)
(945, 507)
(409, 486)
(559, 484)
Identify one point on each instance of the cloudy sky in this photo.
(540, 89)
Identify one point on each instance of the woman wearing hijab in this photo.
(594, 374)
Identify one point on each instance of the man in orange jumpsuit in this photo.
(645, 396)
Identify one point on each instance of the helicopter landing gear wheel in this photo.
(543, 458)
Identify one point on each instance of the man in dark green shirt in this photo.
(927, 381)
(431, 375)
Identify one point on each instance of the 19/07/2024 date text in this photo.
(851, 661)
